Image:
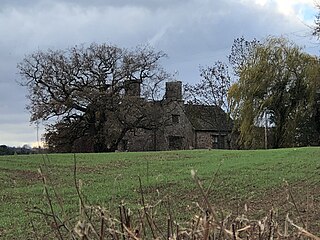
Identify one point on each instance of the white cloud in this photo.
(294, 8)
(303, 9)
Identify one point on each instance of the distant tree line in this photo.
(25, 149)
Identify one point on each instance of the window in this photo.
(215, 141)
(175, 118)
(215, 138)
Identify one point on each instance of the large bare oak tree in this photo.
(89, 96)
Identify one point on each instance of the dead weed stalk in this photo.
(97, 222)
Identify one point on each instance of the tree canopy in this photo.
(277, 85)
(90, 94)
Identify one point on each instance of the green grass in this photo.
(252, 177)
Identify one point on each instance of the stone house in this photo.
(178, 125)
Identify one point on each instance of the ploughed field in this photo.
(237, 182)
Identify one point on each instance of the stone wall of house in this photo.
(176, 133)
(179, 134)
(132, 88)
(173, 90)
(211, 140)
(147, 140)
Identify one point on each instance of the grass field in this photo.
(255, 178)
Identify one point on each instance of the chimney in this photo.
(174, 90)
(132, 88)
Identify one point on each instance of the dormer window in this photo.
(175, 118)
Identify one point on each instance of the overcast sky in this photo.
(191, 32)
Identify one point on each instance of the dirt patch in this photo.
(2, 232)
(22, 175)
(82, 169)
(100, 168)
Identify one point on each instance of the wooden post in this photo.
(266, 131)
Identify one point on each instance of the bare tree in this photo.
(213, 86)
(212, 92)
(84, 91)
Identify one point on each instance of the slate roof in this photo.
(208, 118)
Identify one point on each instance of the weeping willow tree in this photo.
(278, 86)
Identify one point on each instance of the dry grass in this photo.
(97, 222)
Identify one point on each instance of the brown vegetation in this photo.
(97, 222)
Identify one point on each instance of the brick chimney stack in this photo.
(132, 88)
(174, 90)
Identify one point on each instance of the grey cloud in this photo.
(191, 32)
